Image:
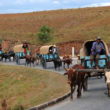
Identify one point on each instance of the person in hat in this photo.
(0, 47)
(96, 50)
(79, 60)
(25, 47)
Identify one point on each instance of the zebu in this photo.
(67, 60)
(76, 79)
(30, 59)
(8, 55)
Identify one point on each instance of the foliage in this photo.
(46, 34)
(0, 40)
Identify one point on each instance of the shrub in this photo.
(46, 34)
(0, 40)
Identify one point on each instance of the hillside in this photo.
(71, 24)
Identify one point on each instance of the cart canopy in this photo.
(45, 49)
(86, 49)
(18, 48)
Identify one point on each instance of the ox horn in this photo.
(65, 74)
(74, 70)
(66, 69)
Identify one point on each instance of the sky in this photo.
(24, 6)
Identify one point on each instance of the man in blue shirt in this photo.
(96, 50)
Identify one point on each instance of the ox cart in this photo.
(1, 53)
(19, 53)
(7, 55)
(48, 54)
(86, 58)
(104, 67)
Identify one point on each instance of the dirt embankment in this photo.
(64, 48)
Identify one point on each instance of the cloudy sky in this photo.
(21, 6)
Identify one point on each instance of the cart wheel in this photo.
(17, 59)
(43, 63)
(108, 86)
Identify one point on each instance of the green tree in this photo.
(46, 34)
(0, 40)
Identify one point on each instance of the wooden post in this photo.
(92, 70)
(72, 51)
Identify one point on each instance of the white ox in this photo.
(107, 75)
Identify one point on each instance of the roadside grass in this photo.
(27, 87)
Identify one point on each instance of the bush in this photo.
(46, 34)
(0, 40)
(18, 107)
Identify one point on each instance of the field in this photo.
(71, 24)
(29, 87)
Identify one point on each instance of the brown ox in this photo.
(108, 64)
(76, 79)
(30, 59)
(67, 60)
(57, 63)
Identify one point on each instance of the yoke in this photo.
(92, 70)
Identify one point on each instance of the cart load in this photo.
(48, 49)
(18, 48)
(85, 53)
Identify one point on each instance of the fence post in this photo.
(72, 52)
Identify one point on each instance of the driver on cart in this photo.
(0, 47)
(96, 50)
(25, 47)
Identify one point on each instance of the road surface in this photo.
(94, 99)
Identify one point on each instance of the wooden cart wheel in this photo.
(17, 59)
(43, 62)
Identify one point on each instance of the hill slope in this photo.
(71, 24)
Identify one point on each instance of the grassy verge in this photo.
(29, 87)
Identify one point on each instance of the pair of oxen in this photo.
(79, 79)
(30, 59)
(67, 60)
(7, 55)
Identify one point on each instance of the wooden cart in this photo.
(48, 55)
(103, 60)
(19, 53)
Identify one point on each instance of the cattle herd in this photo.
(35, 59)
